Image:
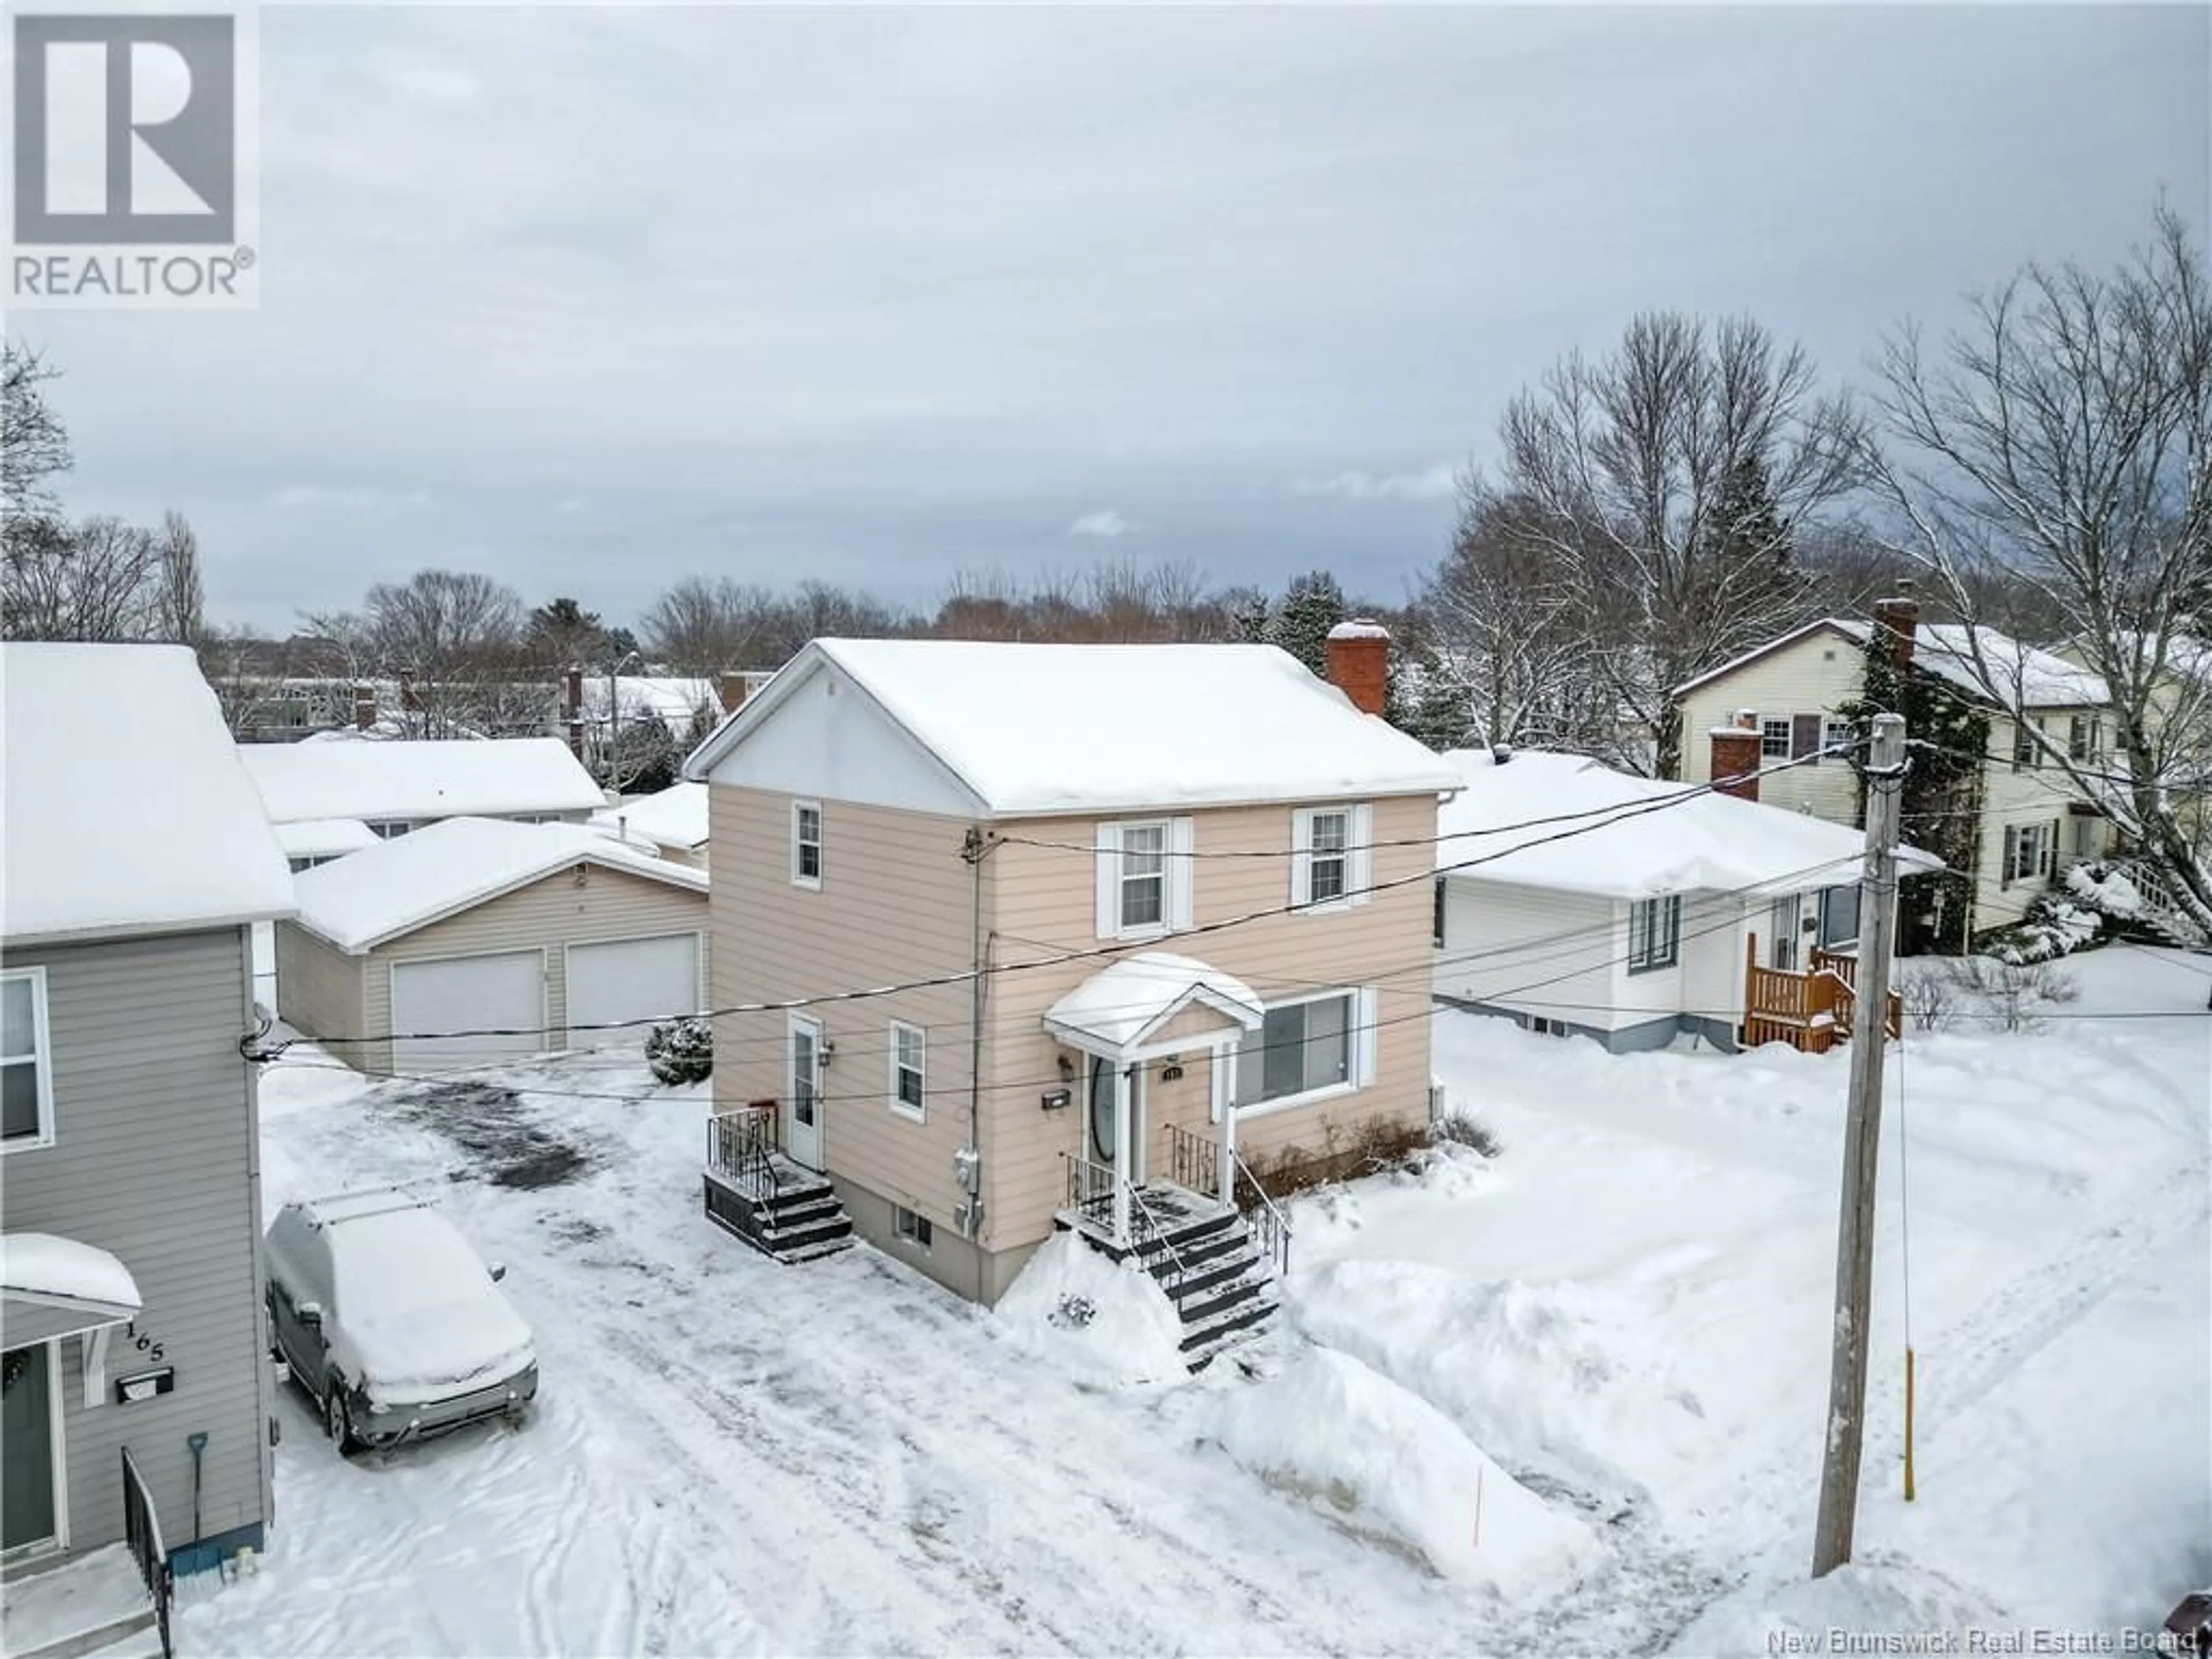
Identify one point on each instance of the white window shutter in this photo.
(1359, 831)
(1365, 1002)
(1109, 880)
(1301, 854)
(1182, 839)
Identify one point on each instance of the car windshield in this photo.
(402, 1262)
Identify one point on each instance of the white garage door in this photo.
(503, 992)
(630, 978)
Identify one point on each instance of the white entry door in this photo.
(802, 1106)
(630, 978)
(503, 994)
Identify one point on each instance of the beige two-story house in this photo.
(1153, 916)
(1778, 707)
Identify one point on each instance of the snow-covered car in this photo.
(387, 1317)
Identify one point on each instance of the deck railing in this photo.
(1807, 1009)
(741, 1146)
(142, 1531)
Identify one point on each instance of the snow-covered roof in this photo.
(2026, 676)
(359, 902)
(419, 780)
(1523, 808)
(48, 1266)
(675, 702)
(2042, 679)
(1043, 729)
(1120, 1006)
(674, 817)
(123, 807)
(319, 838)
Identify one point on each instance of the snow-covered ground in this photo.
(1615, 1334)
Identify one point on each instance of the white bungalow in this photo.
(1686, 913)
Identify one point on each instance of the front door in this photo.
(1782, 925)
(1104, 1128)
(802, 1111)
(28, 1450)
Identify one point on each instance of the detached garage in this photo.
(478, 940)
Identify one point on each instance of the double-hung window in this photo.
(2030, 850)
(1328, 855)
(908, 1069)
(27, 1088)
(1144, 878)
(1654, 933)
(1306, 1047)
(2025, 755)
(1774, 738)
(806, 843)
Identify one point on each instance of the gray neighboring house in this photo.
(129, 1170)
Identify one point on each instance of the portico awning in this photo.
(51, 1286)
(1139, 1003)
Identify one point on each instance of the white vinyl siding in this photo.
(1330, 856)
(908, 1087)
(27, 1087)
(1654, 933)
(1144, 877)
(1307, 1048)
(806, 844)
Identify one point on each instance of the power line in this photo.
(1116, 949)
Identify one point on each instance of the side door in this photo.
(802, 1124)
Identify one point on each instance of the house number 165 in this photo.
(143, 1343)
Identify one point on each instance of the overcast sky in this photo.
(591, 299)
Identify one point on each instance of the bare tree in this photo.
(1509, 637)
(702, 626)
(98, 580)
(180, 596)
(1668, 480)
(454, 640)
(2062, 438)
(33, 444)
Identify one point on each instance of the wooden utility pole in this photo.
(1847, 1377)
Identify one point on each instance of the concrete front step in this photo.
(75, 1606)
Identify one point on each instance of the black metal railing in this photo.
(1193, 1162)
(1091, 1190)
(142, 1530)
(741, 1148)
(1271, 1228)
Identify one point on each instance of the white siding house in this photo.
(1580, 900)
(2034, 822)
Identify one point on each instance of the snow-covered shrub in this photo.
(2105, 889)
(1458, 1129)
(1930, 993)
(2052, 928)
(681, 1050)
(2013, 996)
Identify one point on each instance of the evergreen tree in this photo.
(1311, 605)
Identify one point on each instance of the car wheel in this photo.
(338, 1421)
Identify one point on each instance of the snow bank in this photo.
(1872, 1603)
(42, 1264)
(1081, 1310)
(1520, 1368)
(1386, 1465)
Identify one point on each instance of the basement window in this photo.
(911, 1229)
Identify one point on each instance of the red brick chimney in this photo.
(364, 707)
(1898, 617)
(1735, 755)
(1359, 663)
(730, 690)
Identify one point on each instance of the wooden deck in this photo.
(1812, 1011)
